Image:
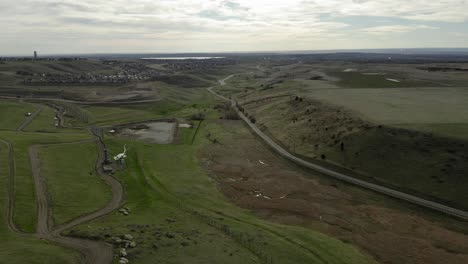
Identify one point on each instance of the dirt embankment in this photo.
(411, 161)
(255, 178)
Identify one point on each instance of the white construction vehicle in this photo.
(121, 156)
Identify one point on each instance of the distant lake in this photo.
(182, 58)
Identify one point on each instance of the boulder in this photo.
(128, 237)
(116, 240)
(123, 260)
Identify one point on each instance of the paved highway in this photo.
(393, 193)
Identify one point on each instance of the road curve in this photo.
(114, 203)
(337, 175)
(90, 251)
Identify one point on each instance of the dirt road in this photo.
(29, 119)
(114, 203)
(393, 193)
(11, 189)
(91, 251)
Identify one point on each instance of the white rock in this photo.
(117, 239)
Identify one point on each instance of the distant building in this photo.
(35, 55)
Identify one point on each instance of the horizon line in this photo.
(465, 49)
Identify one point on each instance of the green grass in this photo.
(72, 183)
(166, 182)
(44, 121)
(429, 166)
(24, 249)
(402, 106)
(25, 214)
(452, 130)
(101, 115)
(187, 135)
(359, 80)
(12, 114)
(411, 161)
(166, 108)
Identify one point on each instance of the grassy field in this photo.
(43, 122)
(169, 107)
(363, 122)
(391, 106)
(25, 213)
(359, 80)
(411, 161)
(12, 114)
(69, 172)
(451, 130)
(178, 215)
(443, 110)
(19, 248)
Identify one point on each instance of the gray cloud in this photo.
(216, 25)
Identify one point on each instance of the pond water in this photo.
(182, 58)
(156, 132)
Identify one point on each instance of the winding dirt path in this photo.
(11, 190)
(90, 251)
(114, 203)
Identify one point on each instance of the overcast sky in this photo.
(117, 26)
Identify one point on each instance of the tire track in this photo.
(90, 251)
(11, 190)
(29, 119)
(114, 203)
